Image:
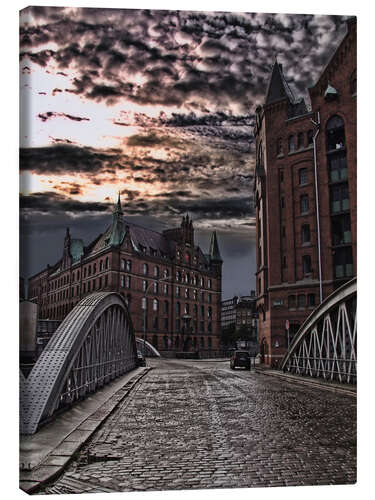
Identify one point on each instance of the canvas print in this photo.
(188, 250)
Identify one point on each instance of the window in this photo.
(178, 328)
(305, 233)
(311, 300)
(281, 176)
(300, 141)
(279, 147)
(337, 167)
(291, 145)
(341, 230)
(178, 308)
(177, 291)
(304, 204)
(155, 304)
(202, 311)
(94, 271)
(302, 176)
(187, 258)
(195, 280)
(156, 271)
(335, 133)
(129, 265)
(202, 296)
(209, 283)
(209, 312)
(178, 276)
(195, 310)
(202, 342)
(145, 269)
(301, 301)
(165, 289)
(339, 198)
(343, 262)
(144, 303)
(202, 281)
(291, 302)
(186, 293)
(122, 281)
(89, 270)
(156, 287)
(144, 285)
(106, 280)
(165, 273)
(306, 264)
(127, 281)
(202, 326)
(209, 298)
(106, 262)
(99, 285)
(186, 309)
(101, 265)
(195, 294)
(122, 265)
(165, 324)
(310, 137)
(165, 307)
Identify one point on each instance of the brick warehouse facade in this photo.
(164, 274)
(306, 237)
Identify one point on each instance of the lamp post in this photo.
(145, 308)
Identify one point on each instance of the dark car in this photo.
(240, 358)
(140, 359)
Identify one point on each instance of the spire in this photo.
(118, 209)
(214, 249)
(278, 89)
(117, 230)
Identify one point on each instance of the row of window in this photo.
(301, 301)
(155, 307)
(170, 344)
(295, 143)
(180, 325)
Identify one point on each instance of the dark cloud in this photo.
(50, 114)
(210, 59)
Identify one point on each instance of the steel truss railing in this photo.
(93, 345)
(326, 344)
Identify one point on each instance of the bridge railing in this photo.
(326, 344)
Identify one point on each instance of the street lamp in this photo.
(145, 308)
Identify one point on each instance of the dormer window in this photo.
(335, 133)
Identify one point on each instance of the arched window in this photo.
(106, 262)
(145, 269)
(165, 273)
(155, 304)
(156, 271)
(165, 307)
(128, 265)
(144, 303)
(335, 133)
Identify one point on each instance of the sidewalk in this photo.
(348, 389)
(43, 455)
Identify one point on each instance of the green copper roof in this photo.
(76, 249)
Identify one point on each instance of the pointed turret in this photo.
(67, 258)
(214, 249)
(117, 230)
(278, 89)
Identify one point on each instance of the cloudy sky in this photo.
(159, 105)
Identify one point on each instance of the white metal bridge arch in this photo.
(93, 345)
(326, 344)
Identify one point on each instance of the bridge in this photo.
(326, 344)
(93, 345)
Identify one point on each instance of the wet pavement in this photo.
(196, 424)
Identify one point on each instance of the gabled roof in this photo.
(278, 88)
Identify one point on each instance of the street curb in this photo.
(59, 458)
(312, 383)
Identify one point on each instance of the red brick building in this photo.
(173, 290)
(305, 196)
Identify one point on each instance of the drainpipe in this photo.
(317, 125)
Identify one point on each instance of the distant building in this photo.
(172, 288)
(305, 196)
(240, 314)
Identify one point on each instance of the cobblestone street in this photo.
(196, 424)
